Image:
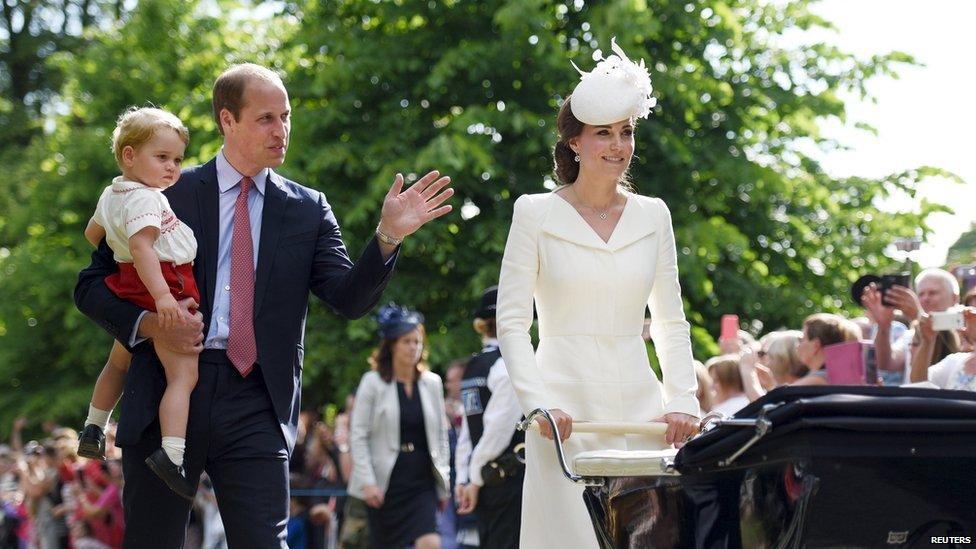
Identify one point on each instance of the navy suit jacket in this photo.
(301, 250)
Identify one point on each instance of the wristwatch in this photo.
(387, 239)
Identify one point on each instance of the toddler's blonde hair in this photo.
(137, 125)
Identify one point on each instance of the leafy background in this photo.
(470, 87)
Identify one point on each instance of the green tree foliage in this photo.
(963, 250)
(31, 31)
(470, 88)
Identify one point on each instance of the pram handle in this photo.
(615, 428)
(529, 422)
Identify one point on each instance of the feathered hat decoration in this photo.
(396, 320)
(616, 89)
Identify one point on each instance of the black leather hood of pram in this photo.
(843, 422)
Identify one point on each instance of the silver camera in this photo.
(943, 321)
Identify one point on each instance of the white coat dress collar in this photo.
(565, 222)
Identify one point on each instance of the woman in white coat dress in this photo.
(593, 256)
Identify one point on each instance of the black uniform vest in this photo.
(475, 395)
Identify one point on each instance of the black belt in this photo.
(214, 356)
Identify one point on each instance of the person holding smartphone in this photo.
(936, 290)
(955, 371)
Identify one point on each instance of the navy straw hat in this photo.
(395, 320)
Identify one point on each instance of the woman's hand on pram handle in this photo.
(681, 427)
(563, 422)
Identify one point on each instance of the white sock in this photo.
(174, 447)
(98, 417)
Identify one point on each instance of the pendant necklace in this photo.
(602, 215)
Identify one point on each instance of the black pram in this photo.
(800, 467)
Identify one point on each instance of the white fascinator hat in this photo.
(616, 89)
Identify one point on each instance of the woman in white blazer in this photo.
(593, 256)
(398, 437)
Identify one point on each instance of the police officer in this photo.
(489, 459)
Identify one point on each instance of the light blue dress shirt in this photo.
(228, 184)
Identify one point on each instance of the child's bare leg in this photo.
(174, 408)
(108, 389)
(110, 384)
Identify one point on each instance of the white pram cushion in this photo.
(624, 463)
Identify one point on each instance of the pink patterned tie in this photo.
(241, 347)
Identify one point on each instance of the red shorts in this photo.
(127, 284)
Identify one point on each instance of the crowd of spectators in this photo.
(52, 499)
(897, 332)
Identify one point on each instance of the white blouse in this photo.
(950, 373)
(126, 207)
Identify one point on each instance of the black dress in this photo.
(410, 503)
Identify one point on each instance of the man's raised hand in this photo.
(405, 211)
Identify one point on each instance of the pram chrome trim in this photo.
(581, 480)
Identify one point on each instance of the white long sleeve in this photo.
(462, 452)
(362, 419)
(516, 294)
(669, 329)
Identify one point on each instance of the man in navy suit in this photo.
(244, 409)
